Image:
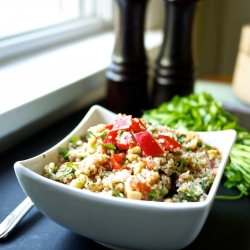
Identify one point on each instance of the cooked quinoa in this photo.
(135, 160)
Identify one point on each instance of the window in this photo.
(29, 25)
(40, 85)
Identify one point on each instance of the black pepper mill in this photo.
(174, 68)
(127, 74)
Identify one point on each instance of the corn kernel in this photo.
(138, 167)
(92, 141)
(83, 178)
(134, 150)
(76, 183)
(135, 195)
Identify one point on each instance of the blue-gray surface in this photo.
(227, 226)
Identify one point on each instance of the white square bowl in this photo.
(116, 222)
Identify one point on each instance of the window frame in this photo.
(37, 40)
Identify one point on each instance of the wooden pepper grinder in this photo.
(174, 68)
(127, 74)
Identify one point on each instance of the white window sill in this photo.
(40, 89)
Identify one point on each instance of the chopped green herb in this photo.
(55, 169)
(74, 138)
(208, 146)
(210, 181)
(181, 138)
(120, 132)
(116, 193)
(75, 145)
(90, 133)
(197, 159)
(202, 182)
(181, 164)
(103, 135)
(64, 152)
(106, 174)
(70, 164)
(66, 171)
(153, 194)
(108, 146)
(192, 191)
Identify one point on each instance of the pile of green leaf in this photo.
(200, 112)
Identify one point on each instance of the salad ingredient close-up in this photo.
(137, 160)
(201, 112)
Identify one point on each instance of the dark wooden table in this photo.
(227, 226)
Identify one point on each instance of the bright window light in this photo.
(25, 23)
(28, 15)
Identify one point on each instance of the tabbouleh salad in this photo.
(136, 160)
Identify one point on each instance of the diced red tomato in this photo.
(141, 187)
(137, 125)
(148, 144)
(116, 160)
(106, 165)
(122, 123)
(111, 137)
(126, 167)
(125, 141)
(109, 126)
(168, 142)
(150, 164)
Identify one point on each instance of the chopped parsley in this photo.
(66, 171)
(74, 138)
(208, 146)
(90, 133)
(106, 174)
(116, 193)
(108, 146)
(75, 145)
(153, 195)
(69, 169)
(202, 183)
(181, 164)
(103, 135)
(64, 152)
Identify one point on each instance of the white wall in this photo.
(219, 25)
